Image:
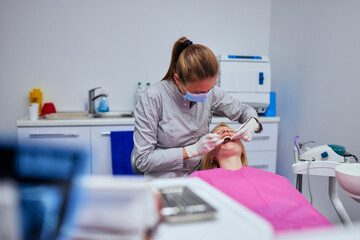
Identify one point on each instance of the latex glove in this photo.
(246, 132)
(206, 143)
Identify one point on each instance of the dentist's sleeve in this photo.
(224, 104)
(148, 158)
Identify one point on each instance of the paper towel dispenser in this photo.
(246, 78)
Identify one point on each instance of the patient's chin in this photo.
(230, 148)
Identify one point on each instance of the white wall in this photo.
(314, 47)
(67, 47)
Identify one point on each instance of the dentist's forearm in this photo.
(170, 159)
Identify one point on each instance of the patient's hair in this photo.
(208, 163)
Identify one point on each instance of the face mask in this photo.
(200, 97)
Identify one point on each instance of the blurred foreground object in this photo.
(9, 211)
(43, 190)
(116, 206)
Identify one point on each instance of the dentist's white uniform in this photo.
(165, 123)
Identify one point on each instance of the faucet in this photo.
(92, 99)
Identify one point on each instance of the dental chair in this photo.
(133, 165)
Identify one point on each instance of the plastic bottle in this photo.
(139, 90)
(103, 105)
(36, 97)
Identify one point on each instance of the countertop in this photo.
(26, 122)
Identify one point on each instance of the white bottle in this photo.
(139, 90)
(147, 86)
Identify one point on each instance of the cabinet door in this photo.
(264, 141)
(59, 137)
(101, 147)
(264, 160)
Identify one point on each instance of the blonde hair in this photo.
(208, 162)
(192, 62)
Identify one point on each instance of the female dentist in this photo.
(173, 116)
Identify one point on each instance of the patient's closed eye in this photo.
(221, 132)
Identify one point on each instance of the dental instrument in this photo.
(296, 150)
(321, 161)
(247, 130)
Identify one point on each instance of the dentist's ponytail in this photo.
(192, 62)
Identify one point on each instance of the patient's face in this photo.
(228, 147)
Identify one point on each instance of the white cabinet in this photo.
(93, 136)
(93, 140)
(262, 149)
(101, 147)
(60, 137)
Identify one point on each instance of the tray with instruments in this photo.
(180, 204)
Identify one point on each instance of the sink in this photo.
(113, 115)
(348, 176)
(84, 115)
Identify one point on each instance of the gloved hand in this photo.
(206, 143)
(246, 132)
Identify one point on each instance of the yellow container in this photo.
(36, 97)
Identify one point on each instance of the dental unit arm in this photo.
(330, 152)
(321, 161)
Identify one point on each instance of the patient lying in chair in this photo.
(269, 195)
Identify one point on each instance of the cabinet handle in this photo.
(105, 134)
(53, 135)
(260, 166)
(256, 138)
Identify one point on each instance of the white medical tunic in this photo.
(165, 123)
